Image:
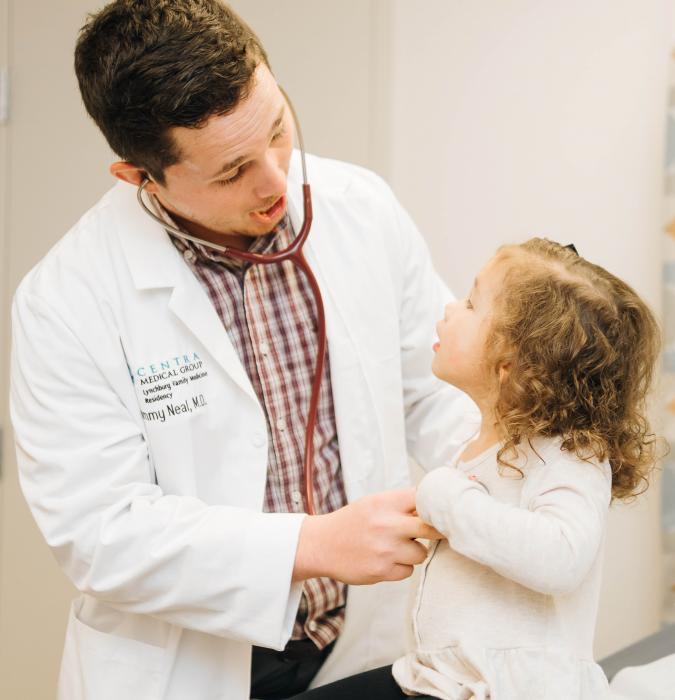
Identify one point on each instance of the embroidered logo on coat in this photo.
(168, 388)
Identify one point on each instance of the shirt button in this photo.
(297, 497)
(189, 255)
(258, 440)
(313, 626)
(281, 425)
(264, 348)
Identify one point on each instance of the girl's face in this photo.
(463, 333)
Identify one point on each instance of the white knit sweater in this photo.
(506, 606)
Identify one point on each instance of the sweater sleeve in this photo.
(548, 543)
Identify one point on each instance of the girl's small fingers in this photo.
(429, 532)
(435, 534)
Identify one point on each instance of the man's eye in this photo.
(230, 179)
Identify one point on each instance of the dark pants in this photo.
(378, 684)
(276, 675)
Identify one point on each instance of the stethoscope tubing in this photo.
(294, 253)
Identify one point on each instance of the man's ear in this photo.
(128, 172)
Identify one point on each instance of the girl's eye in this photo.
(469, 305)
(278, 135)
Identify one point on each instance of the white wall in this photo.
(515, 118)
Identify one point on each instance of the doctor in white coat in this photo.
(159, 522)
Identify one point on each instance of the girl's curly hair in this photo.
(581, 349)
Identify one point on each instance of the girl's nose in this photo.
(449, 309)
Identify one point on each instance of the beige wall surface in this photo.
(492, 120)
(4, 290)
(55, 171)
(329, 57)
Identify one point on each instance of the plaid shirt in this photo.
(269, 314)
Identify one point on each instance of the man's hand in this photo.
(370, 540)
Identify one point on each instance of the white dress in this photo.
(506, 606)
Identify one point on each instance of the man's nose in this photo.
(271, 181)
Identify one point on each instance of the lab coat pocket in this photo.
(101, 666)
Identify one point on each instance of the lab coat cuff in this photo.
(279, 631)
(294, 596)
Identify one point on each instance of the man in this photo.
(160, 388)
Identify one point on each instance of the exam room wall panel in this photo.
(548, 119)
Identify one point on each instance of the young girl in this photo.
(558, 355)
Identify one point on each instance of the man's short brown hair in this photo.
(144, 66)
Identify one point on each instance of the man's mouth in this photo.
(270, 214)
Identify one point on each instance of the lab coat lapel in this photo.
(155, 263)
(192, 306)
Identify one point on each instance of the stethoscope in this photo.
(292, 252)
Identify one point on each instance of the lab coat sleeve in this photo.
(85, 471)
(549, 545)
(436, 412)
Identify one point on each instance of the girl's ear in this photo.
(504, 370)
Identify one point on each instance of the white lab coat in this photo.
(158, 522)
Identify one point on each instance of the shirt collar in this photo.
(274, 240)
